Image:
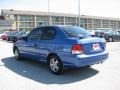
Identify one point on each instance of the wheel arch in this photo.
(60, 64)
(111, 38)
(52, 54)
(15, 47)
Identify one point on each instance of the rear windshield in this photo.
(75, 31)
(14, 32)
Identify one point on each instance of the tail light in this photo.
(77, 49)
(6, 37)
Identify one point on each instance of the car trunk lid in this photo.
(92, 45)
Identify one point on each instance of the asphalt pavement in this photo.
(31, 75)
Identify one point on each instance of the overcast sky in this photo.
(107, 8)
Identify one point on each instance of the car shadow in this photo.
(39, 72)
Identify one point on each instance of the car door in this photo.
(31, 45)
(118, 35)
(47, 42)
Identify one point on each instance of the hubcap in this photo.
(54, 64)
(110, 39)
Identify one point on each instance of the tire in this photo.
(13, 40)
(55, 64)
(88, 66)
(17, 54)
(110, 39)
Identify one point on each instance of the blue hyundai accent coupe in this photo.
(62, 47)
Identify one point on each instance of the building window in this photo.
(38, 24)
(42, 18)
(56, 19)
(26, 24)
(26, 18)
(89, 20)
(70, 19)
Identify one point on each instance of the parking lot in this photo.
(30, 75)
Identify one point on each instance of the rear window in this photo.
(75, 31)
(14, 32)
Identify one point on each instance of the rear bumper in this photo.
(84, 60)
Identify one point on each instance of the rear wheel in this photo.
(17, 54)
(55, 64)
(88, 66)
(110, 39)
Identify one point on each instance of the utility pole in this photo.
(49, 21)
(79, 10)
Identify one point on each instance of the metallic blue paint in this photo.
(61, 46)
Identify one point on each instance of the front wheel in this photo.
(17, 54)
(55, 64)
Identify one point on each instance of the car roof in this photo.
(57, 26)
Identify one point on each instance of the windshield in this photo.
(75, 31)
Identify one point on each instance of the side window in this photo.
(49, 33)
(117, 33)
(36, 34)
(113, 32)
